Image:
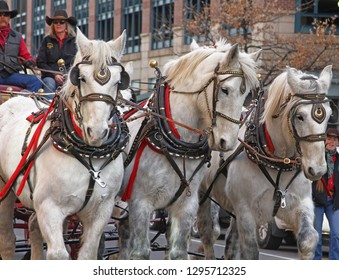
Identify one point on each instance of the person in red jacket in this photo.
(14, 54)
(325, 194)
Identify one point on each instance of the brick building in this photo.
(155, 28)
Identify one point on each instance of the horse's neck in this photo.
(184, 110)
(282, 140)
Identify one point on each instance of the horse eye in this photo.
(82, 78)
(300, 117)
(224, 90)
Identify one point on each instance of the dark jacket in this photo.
(9, 56)
(50, 52)
(320, 198)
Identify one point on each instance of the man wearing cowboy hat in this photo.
(325, 194)
(59, 43)
(13, 49)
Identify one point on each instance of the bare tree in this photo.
(255, 24)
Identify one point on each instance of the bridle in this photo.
(102, 77)
(216, 86)
(318, 114)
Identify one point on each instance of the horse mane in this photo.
(179, 70)
(279, 91)
(100, 59)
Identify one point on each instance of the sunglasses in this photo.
(59, 21)
(5, 14)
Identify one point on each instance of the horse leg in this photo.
(7, 236)
(182, 219)
(307, 236)
(209, 228)
(93, 227)
(232, 245)
(35, 238)
(123, 229)
(139, 219)
(51, 222)
(246, 226)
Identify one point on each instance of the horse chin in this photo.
(222, 145)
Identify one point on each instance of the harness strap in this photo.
(26, 159)
(222, 169)
(95, 175)
(278, 195)
(184, 182)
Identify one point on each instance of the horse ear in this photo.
(194, 45)
(255, 56)
(292, 79)
(118, 45)
(231, 56)
(325, 77)
(83, 43)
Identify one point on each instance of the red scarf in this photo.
(4, 32)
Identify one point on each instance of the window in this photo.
(193, 8)
(39, 11)
(58, 5)
(105, 19)
(162, 22)
(80, 8)
(19, 23)
(308, 10)
(132, 20)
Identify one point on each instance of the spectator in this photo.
(58, 44)
(13, 49)
(326, 199)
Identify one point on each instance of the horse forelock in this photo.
(249, 68)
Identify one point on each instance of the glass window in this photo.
(38, 19)
(308, 11)
(162, 22)
(58, 5)
(80, 11)
(19, 23)
(132, 20)
(105, 19)
(193, 8)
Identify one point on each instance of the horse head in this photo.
(296, 115)
(210, 84)
(93, 84)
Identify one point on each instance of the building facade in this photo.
(155, 28)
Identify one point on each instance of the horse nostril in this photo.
(89, 131)
(222, 144)
(104, 133)
(311, 171)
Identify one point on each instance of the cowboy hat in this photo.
(61, 14)
(332, 132)
(4, 9)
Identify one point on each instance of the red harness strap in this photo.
(129, 187)
(128, 191)
(269, 141)
(33, 144)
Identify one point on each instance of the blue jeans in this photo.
(333, 220)
(50, 85)
(29, 82)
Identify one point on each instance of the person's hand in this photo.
(59, 79)
(319, 186)
(29, 64)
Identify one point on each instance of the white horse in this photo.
(79, 167)
(203, 92)
(284, 152)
